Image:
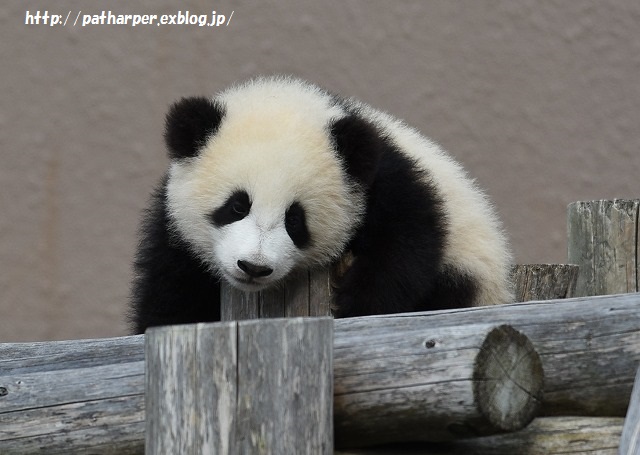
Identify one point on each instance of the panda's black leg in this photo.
(369, 287)
(386, 282)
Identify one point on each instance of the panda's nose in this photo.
(254, 270)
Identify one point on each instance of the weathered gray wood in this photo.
(543, 281)
(297, 294)
(590, 349)
(544, 436)
(630, 440)
(551, 435)
(436, 384)
(304, 293)
(590, 346)
(237, 305)
(190, 389)
(320, 289)
(246, 387)
(285, 386)
(72, 397)
(603, 241)
(308, 292)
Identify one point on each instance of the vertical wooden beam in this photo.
(285, 386)
(544, 281)
(303, 293)
(190, 388)
(320, 292)
(240, 387)
(603, 241)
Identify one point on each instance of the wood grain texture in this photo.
(440, 383)
(237, 305)
(603, 241)
(543, 281)
(590, 346)
(544, 436)
(190, 389)
(304, 293)
(285, 386)
(508, 379)
(630, 440)
(72, 397)
(249, 387)
(590, 349)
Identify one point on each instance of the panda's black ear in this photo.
(360, 146)
(189, 123)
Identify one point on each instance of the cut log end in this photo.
(508, 379)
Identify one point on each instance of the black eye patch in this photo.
(235, 208)
(296, 224)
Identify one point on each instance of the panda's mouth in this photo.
(247, 281)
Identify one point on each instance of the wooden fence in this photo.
(543, 377)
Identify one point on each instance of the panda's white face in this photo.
(255, 229)
(266, 193)
(253, 246)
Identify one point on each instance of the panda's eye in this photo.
(296, 224)
(235, 208)
(240, 208)
(292, 221)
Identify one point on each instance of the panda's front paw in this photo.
(344, 305)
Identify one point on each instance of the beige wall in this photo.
(540, 100)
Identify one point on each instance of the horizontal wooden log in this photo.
(590, 349)
(487, 380)
(590, 346)
(544, 436)
(410, 384)
(72, 397)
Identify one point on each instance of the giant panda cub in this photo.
(277, 174)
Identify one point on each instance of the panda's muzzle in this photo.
(254, 270)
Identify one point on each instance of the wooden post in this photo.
(240, 387)
(603, 241)
(630, 440)
(306, 293)
(544, 281)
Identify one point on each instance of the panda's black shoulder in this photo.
(403, 201)
(167, 272)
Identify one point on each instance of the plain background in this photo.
(539, 100)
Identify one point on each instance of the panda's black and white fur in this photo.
(277, 174)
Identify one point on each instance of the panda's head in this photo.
(267, 177)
